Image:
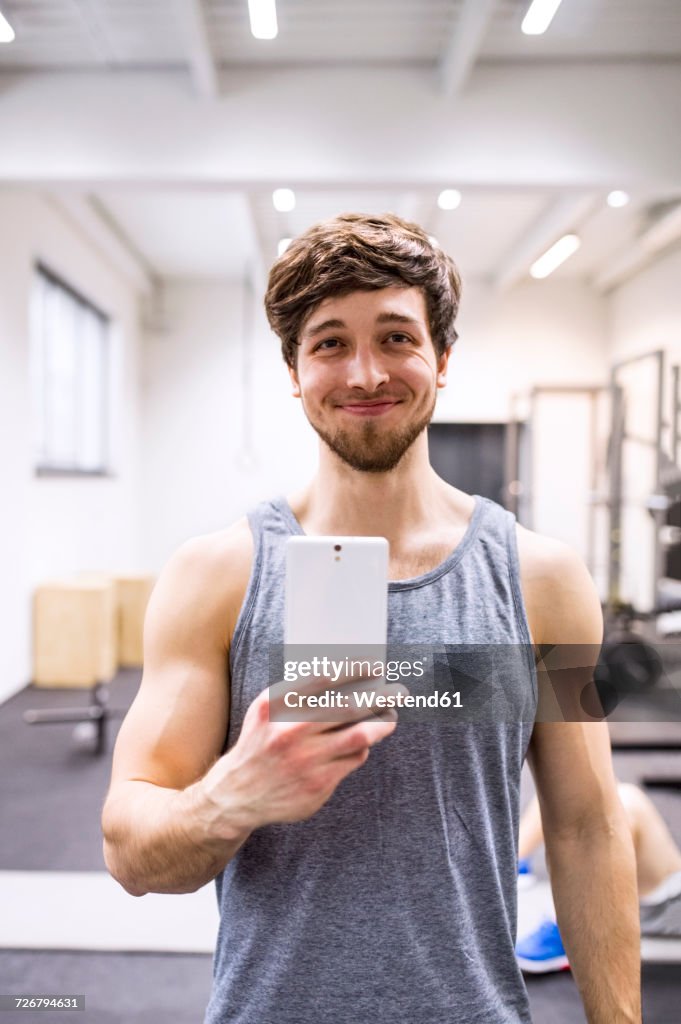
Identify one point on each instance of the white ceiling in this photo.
(211, 229)
(183, 234)
(152, 33)
(189, 234)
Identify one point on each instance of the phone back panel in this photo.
(336, 596)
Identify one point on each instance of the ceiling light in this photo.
(6, 31)
(282, 245)
(617, 198)
(539, 16)
(554, 256)
(263, 15)
(284, 200)
(449, 199)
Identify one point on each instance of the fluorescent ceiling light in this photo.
(449, 199)
(263, 15)
(617, 198)
(284, 200)
(6, 30)
(282, 245)
(554, 256)
(539, 16)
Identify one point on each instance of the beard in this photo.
(370, 448)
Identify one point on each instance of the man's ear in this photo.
(294, 382)
(442, 364)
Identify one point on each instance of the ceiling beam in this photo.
(464, 45)
(538, 128)
(96, 224)
(95, 29)
(565, 215)
(623, 266)
(662, 231)
(201, 61)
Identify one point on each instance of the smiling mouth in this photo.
(369, 408)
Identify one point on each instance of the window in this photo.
(69, 358)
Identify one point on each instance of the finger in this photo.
(361, 736)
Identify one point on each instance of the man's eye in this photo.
(399, 337)
(328, 343)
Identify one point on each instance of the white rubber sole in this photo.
(555, 963)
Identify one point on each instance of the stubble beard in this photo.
(370, 448)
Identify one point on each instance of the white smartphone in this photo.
(336, 591)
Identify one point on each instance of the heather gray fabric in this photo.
(396, 902)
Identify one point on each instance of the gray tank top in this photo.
(396, 903)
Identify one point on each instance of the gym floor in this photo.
(50, 812)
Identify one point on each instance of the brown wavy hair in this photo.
(356, 252)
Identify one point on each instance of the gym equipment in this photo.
(626, 656)
(629, 663)
(75, 632)
(520, 463)
(658, 501)
(97, 714)
(83, 630)
(132, 596)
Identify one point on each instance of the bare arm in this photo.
(589, 850)
(156, 836)
(177, 810)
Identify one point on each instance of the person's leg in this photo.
(658, 864)
(657, 855)
(530, 835)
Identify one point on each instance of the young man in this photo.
(369, 872)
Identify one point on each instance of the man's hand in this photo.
(283, 771)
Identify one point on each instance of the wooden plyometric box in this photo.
(75, 632)
(132, 597)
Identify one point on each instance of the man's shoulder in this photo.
(229, 547)
(209, 573)
(542, 556)
(561, 600)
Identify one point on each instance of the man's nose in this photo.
(366, 370)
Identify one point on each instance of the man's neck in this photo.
(407, 500)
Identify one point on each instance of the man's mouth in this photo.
(375, 407)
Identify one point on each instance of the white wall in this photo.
(220, 429)
(537, 333)
(56, 526)
(644, 314)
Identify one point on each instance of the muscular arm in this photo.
(589, 850)
(158, 835)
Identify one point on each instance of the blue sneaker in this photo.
(542, 951)
(526, 876)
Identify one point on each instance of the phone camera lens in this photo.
(337, 547)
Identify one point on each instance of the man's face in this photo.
(367, 374)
